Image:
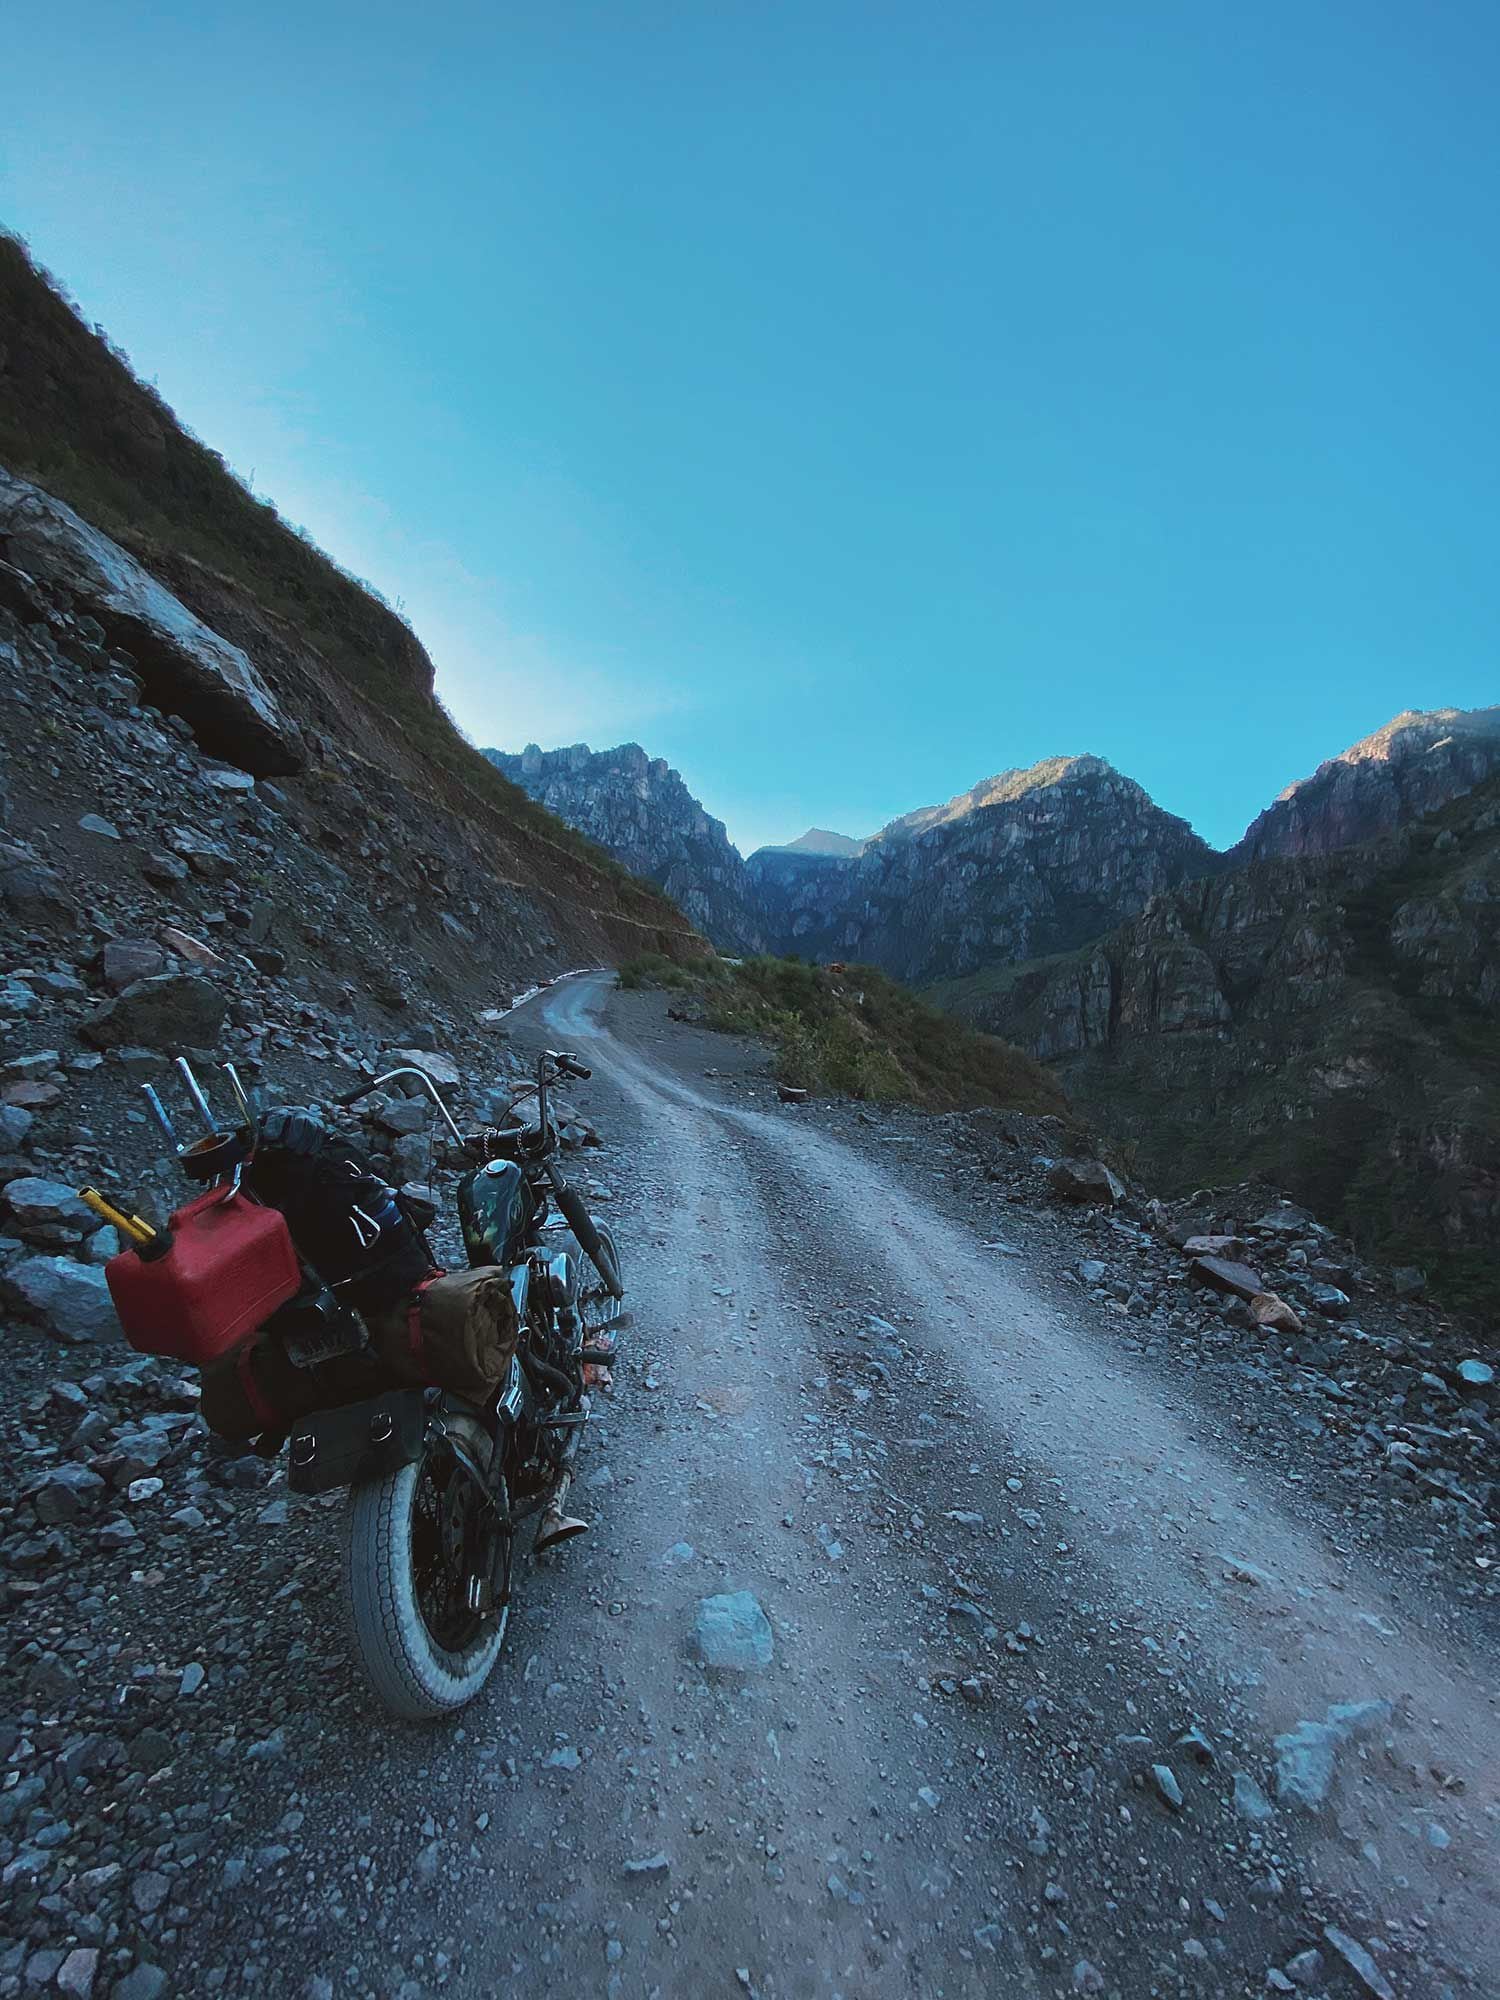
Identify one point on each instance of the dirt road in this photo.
(1036, 1631)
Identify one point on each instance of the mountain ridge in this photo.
(1026, 861)
(1411, 765)
(817, 840)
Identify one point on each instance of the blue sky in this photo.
(844, 401)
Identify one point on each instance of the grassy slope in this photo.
(857, 1033)
(75, 419)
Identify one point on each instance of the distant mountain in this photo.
(638, 809)
(818, 840)
(1026, 862)
(1416, 763)
(1004, 789)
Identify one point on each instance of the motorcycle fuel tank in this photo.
(496, 1207)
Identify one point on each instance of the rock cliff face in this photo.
(802, 894)
(199, 675)
(638, 809)
(1027, 862)
(1328, 1021)
(1416, 763)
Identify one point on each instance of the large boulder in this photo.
(15, 1123)
(174, 1010)
(444, 1073)
(70, 1300)
(187, 667)
(125, 960)
(66, 1492)
(1274, 1314)
(1221, 1274)
(33, 1200)
(29, 889)
(732, 1634)
(1087, 1180)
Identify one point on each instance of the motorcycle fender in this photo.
(362, 1441)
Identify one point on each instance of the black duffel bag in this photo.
(347, 1222)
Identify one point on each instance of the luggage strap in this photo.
(259, 1407)
(414, 1339)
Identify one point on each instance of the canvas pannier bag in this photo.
(457, 1331)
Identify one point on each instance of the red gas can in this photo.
(230, 1265)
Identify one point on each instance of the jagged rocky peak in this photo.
(639, 810)
(1420, 760)
(579, 759)
(1321, 1019)
(1005, 788)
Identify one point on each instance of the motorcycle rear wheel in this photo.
(422, 1653)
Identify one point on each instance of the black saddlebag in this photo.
(335, 1448)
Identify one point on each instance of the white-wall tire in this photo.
(411, 1674)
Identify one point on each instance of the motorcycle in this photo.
(440, 1486)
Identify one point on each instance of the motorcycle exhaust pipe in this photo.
(556, 1527)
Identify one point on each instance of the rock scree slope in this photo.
(230, 620)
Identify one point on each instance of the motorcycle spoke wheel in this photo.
(445, 1533)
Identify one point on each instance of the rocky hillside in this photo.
(638, 809)
(1030, 861)
(1327, 1022)
(230, 621)
(1413, 765)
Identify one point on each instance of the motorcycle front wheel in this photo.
(408, 1553)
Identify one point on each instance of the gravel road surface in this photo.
(1036, 1634)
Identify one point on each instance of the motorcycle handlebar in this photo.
(407, 1069)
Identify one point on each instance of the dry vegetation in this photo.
(852, 1032)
